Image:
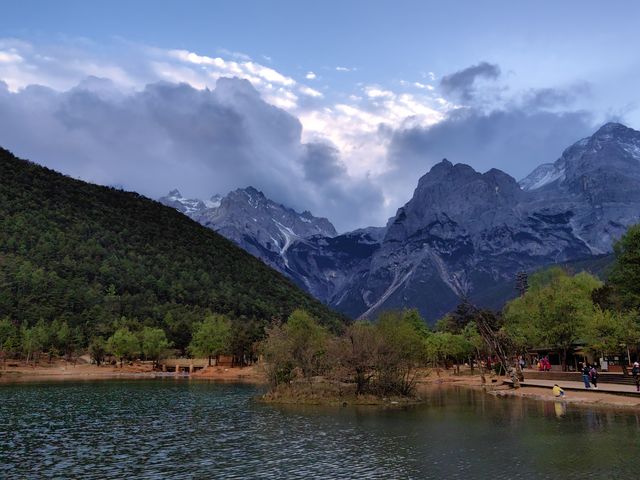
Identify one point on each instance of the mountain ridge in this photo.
(463, 231)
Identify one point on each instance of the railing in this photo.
(603, 377)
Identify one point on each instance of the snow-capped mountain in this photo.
(189, 206)
(261, 226)
(463, 234)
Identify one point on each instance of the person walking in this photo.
(593, 375)
(635, 371)
(585, 376)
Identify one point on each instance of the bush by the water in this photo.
(380, 358)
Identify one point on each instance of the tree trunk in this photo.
(209, 360)
(481, 366)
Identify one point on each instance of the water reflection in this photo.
(183, 429)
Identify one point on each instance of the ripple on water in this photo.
(178, 429)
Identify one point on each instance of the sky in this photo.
(337, 107)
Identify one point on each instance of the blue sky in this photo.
(366, 96)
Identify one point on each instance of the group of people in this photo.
(590, 376)
(544, 365)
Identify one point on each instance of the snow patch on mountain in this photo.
(543, 175)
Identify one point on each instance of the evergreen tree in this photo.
(211, 337)
(123, 344)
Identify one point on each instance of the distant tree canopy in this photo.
(85, 256)
(624, 278)
(123, 344)
(212, 337)
(553, 312)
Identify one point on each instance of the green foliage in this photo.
(301, 344)
(307, 341)
(86, 255)
(10, 343)
(245, 335)
(624, 277)
(31, 340)
(554, 312)
(154, 343)
(123, 344)
(446, 346)
(211, 337)
(402, 350)
(380, 358)
(608, 331)
(98, 350)
(456, 321)
(276, 350)
(358, 353)
(413, 317)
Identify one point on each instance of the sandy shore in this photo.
(20, 372)
(251, 374)
(583, 398)
(587, 399)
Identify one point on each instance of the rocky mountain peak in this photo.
(613, 147)
(614, 129)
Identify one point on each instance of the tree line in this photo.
(561, 311)
(215, 335)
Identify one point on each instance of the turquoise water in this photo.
(195, 429)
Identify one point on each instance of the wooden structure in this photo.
(183, 365)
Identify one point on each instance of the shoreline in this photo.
(63, 372)
(254, 375)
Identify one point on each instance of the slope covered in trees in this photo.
(96, 259)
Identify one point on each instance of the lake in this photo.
(180, 428)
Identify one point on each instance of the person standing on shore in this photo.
(636, 375)
(593, 375)
(585, 376)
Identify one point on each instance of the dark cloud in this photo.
(172, 135)
(321, 163)
(515, 140)
(462, 82)
(553, 98)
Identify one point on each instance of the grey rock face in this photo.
(463, 233)
(599, 184)
(264, 228)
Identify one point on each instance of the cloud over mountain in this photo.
(462, 82)
(151, 119)
(169, 135)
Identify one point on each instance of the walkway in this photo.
(628, 390)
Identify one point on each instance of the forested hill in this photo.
(90, 255)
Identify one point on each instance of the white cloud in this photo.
(310, 91)
(375, 92)
(10, 57)
(423, 86)
(345, 69)
(310, 76)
